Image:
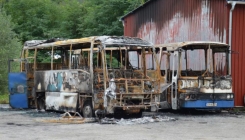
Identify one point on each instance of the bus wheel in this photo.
(87, 110)
(244, 100)
(218, 111)
(41, 103)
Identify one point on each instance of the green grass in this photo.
(4, 98)
(239, 109)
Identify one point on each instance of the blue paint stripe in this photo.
(202, 104)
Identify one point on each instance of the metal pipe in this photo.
(233, 4)
(70, 59)
(52, 57)
(91, 65)
(35, 61)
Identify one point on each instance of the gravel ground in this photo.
(33, 125)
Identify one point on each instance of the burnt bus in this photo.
(197, 75)
(107, 73)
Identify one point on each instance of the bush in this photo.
(10, 48)
(4, 98)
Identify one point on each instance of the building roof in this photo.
(141, 6)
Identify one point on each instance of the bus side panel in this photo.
(62, 81)
(61, 101)
(62, 88)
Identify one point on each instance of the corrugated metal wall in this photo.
(238, 60)
(166, 21)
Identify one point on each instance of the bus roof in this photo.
(86, 42)
(192, 45)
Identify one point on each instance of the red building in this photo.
(166, 21)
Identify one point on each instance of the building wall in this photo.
(238, 55)
(166, 21)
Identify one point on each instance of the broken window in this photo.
(134, 59)
(220, 64)
(192, 62)
(113, 59)
(164, 63)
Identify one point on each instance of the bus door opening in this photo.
(17, 81)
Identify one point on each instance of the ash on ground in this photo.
(122, 121)
(133, 121)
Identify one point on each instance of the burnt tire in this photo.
(87, 110)
(244, 100)
(218, 111)
(41, 104)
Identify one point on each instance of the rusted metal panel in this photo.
(238, 58)
(166, 21)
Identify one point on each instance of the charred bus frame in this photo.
(198, 75)
(96, 73)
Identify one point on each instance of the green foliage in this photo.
(4, 98)
(37, 19)
(102, 17)
(73, 12)
(44, 19)
(10, 48)
(114, 61)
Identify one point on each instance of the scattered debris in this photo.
(67, 117)
(142, 120)
(70, 120)
(78, 119)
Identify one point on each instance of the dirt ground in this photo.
(33, 125)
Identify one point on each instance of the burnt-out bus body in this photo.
(198, 75)
(105, 73)
(111, 73)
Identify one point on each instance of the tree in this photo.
(73, 11)
(102, 17)
(10, 48)
(35, 19)
(45, 19)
